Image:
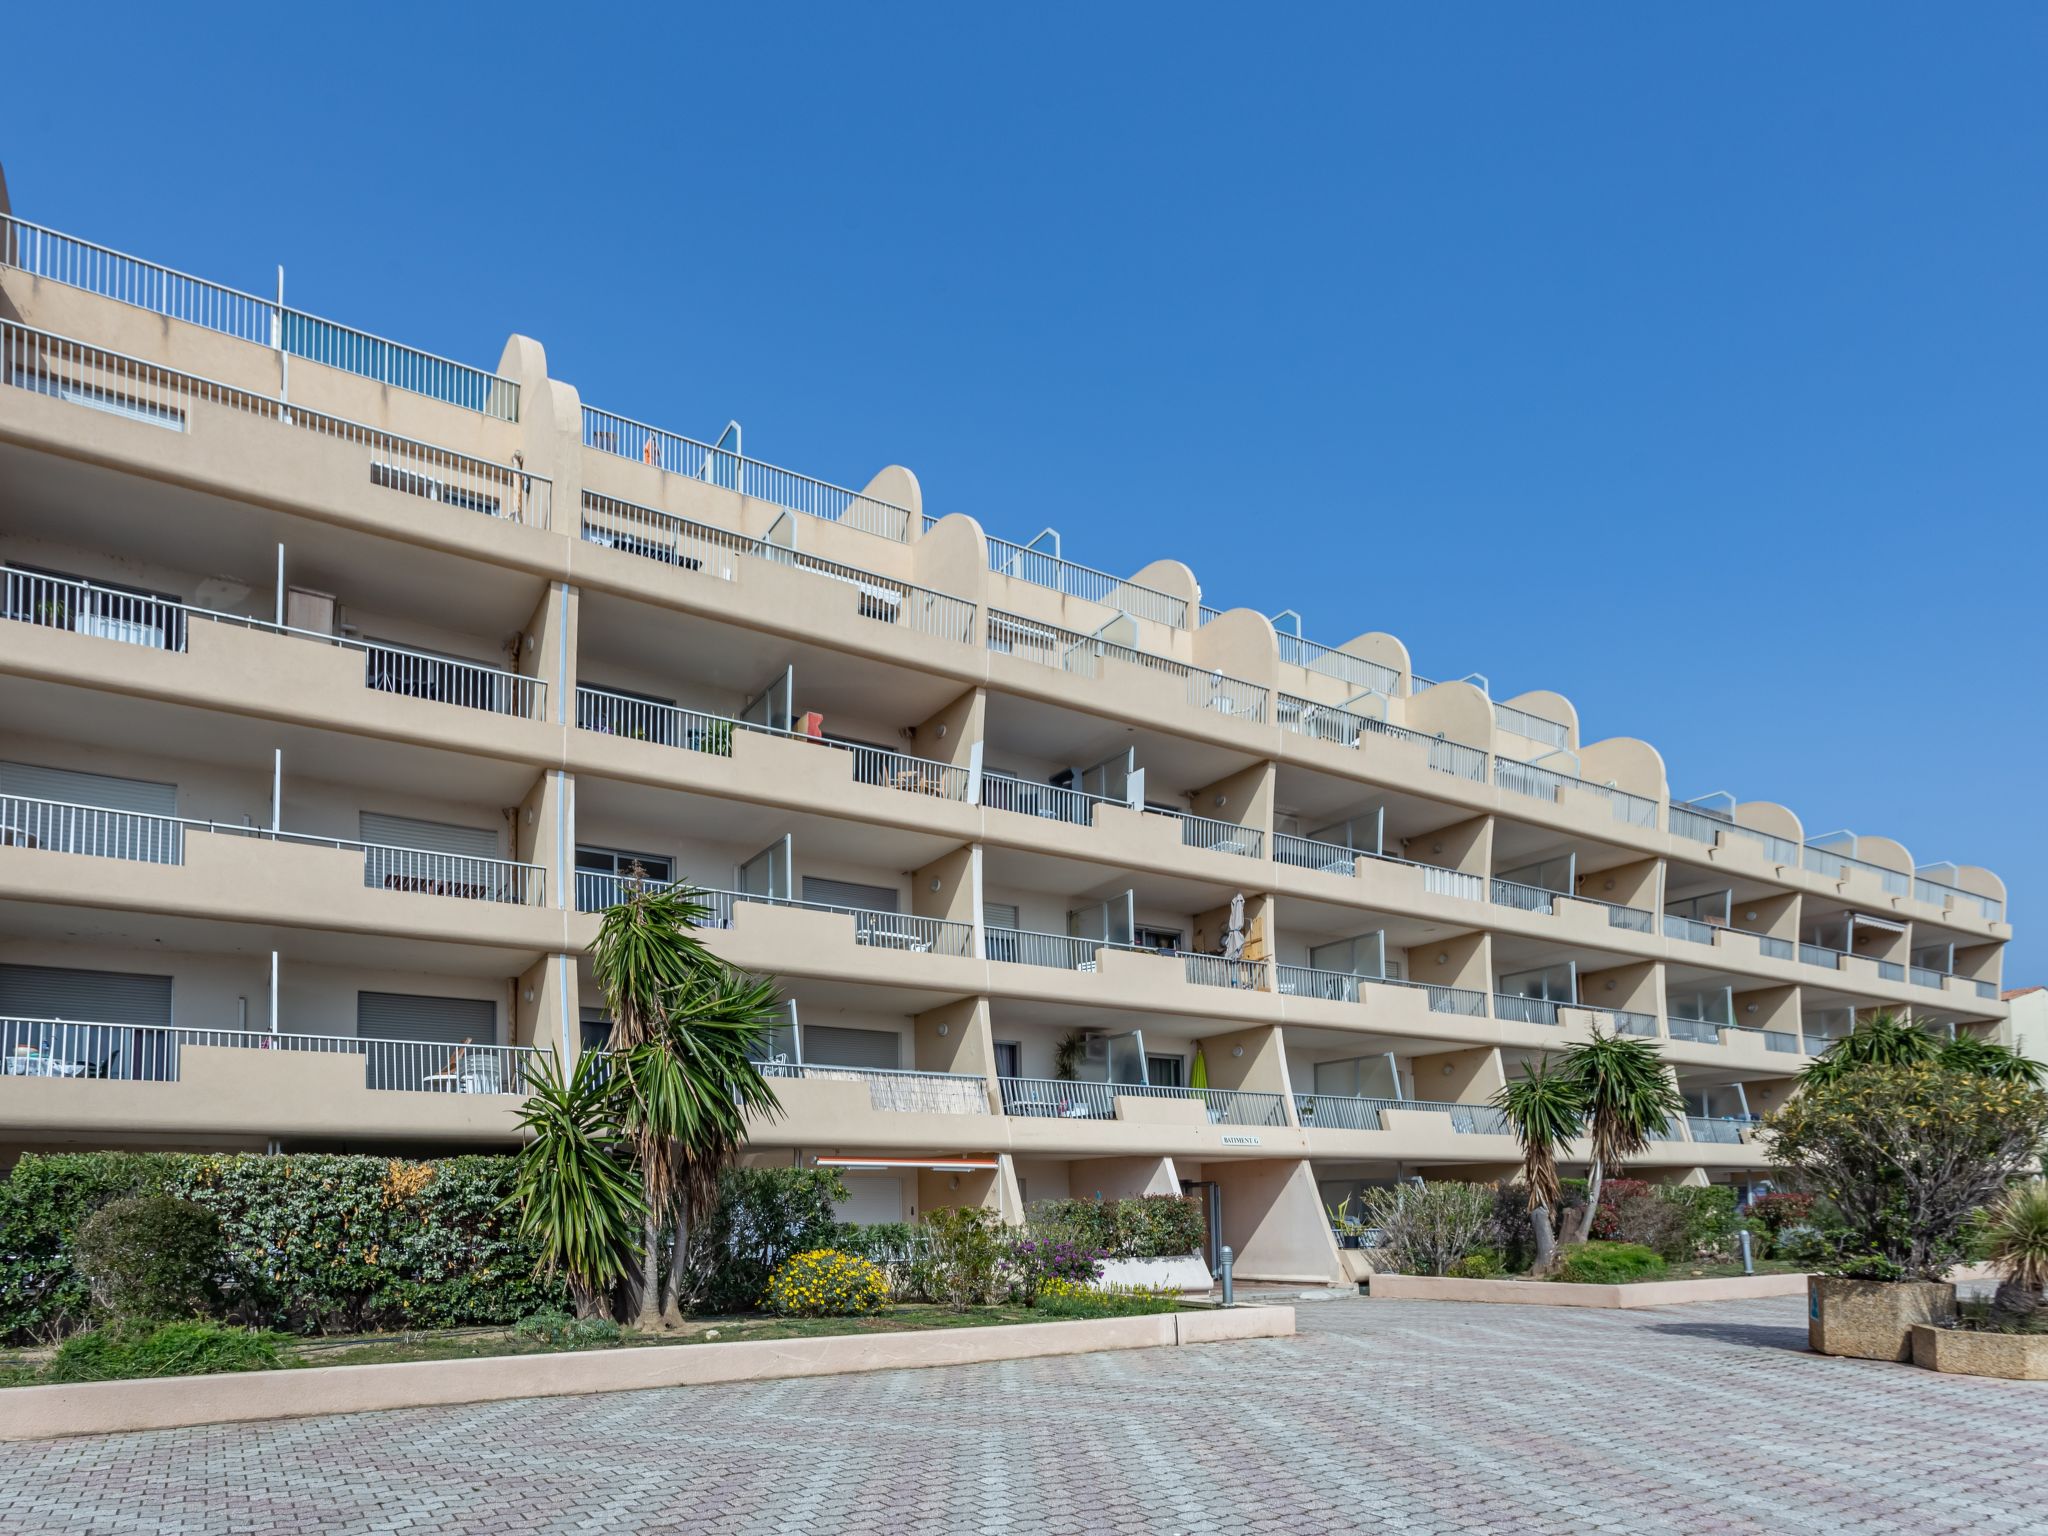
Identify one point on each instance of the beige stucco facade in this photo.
(335, 703)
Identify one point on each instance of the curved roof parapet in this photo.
(1885, 853)
(1769, 817)
(1543, 709)
(1388, 650)
(1456, 711)
(1974, 878)
(1240, 644)
(952, 556)
(1626, 763)
(1174, 579)
(898, 487)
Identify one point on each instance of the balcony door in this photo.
(767, 872)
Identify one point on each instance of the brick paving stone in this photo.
(1381, 1416)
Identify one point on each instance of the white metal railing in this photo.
(668, 725)
(871, 929)
(161, 624)
(1340, 1112)
(1051, 951)
(1217, 836)
(1520, 722)
(1441, 999)
(916, 1093)
(1527, 1010)
(1820, 954)
(1925, 976)
(1438, 881)
(95, 831)
(1689, 929)
(1053, 802)
(1630, 1023)
(1523, 898)
(1715, 1130)
(1083, 655)
(98, 269)
(1307, 853)
(150, 1053)
(1683, 821)
(693, 546)
(1221, 971)
(1054, 1098)
(1775, 949)
(1634, 919)
(1988, 907)
(132, 387)
(1330, 986)
(1833, 864)
(1326, 722)
(679, 455)
(1698, 1031)
(1548, 784)
(1331, 662)
(1063, 576)
(1779, 850)
(1816, 1045)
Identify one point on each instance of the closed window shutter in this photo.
(827, 1045)
(429, 836)
(76, 788)
(999, 914)
(844, 893)
(443, 1020)
(97, 997)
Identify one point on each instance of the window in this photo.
(1166, 1071)
(1164, 940)
(1009, 1059)
(601, 874)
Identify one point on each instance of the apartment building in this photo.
(342, 685)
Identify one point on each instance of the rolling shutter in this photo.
(429, 836)
(98, 997)
(444, 1020)
(827, 1046)
(845, 893)
(75, 788)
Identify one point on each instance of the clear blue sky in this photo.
(1692, 361)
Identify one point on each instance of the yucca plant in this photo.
(685, 1030)
(1628, 1096)
(2018, 1233)
(1987, 1058)
(1545, 1109)
(1885, 1039)
(577, 1194)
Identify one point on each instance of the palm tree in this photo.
(1987, 1058)
(685, 1029)
(576, 1193)
(1545, 1109)
(1628, 1096)
(2018, 1229)
(1885, 1039)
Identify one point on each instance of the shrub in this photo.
(763, 1216)
(1904, 1154)
(193, 1348)
(1426, 1228)
(1067, 1298)
(825, 1283)
(1145, 1227)
(1032, 1261)
(1481, 1264)
(967, 1253)
(1711, 1226)
(1650, 1219)
(901, 1249)
(150, 1257)
(43, 1295)
(1609, 1263)
(1514, 1226)
(561, 1330)
(1780, 1209)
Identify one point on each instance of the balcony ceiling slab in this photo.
(1033, 730)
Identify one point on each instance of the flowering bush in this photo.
(1035, 1260)
(1067, 1298)
(825, 1283)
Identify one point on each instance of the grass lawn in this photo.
(20, 1367)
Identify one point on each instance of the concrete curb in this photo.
(177, 1402)
(1559, 1293)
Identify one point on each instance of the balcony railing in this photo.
(1832, 864)
(1775, 949)
(1890, 970)
(596, 891)
(1326, 722)
(1438, 881)
(1715, 1130)
(1523, 898)
(699, 547)
(59, 826)
(1219, 971)
(1084, 655)
(1441, 999)
(1347, 1112)
(913, 1093)
(1519, 722)
(1307, 853)
(1052, 802)
(1527, 1010)
(132, 387)
(1218, 836)
(1697, 1031)
(1330, 986)
(1628, 1023)
(1990, 908)
(1985, 989)
(1634, 919)
(679, 455)
(161, 624)
(62, 258)
(1925, 976)
(1689, 929)
(1781, 1042)
(1821, 955)
(1071, 580)
(667, 725)
(1331, 662)
(1779, 850)
(1547, 784)
(1054, 1099)
(1696, 826)
(145, 1053)
(1050, 951)
(1817, 1045)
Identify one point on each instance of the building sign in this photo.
(1238, 1139)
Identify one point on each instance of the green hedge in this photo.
(1148, 1227)
(310, 1242)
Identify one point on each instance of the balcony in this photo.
(94, 831)
(1642, 1025)
(1354, 671)
(1093, 657)
(1547, 784)
(1050, 802)
(666, 725)
(717, 553)
(1694, 1031)
(128, 1053)
(1056, 1099)
(1689, 930)
(1216, 836)
(1348, 1113)
(1523, 898)
(1717, 1130)
(1040, 569)
(1527, 1010)
(893, 1091)
(82, 607)
(1820, 955)
(1324, 722)
(596, 892)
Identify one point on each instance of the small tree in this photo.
(1628, 1096)
(1889, 1039)
(1426, 1228)
(1544, 1108)
(1905, 1154)
(577, 1195)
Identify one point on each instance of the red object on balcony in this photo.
(811, 724)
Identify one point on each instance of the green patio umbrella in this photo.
(1198, 1075)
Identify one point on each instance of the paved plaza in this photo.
(1398, 1416)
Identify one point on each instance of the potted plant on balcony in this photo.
(1905, 1145)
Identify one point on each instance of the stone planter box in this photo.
(1873, 1319)
(1961, 1352)
(1564, 1293)
(1184, 1274)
